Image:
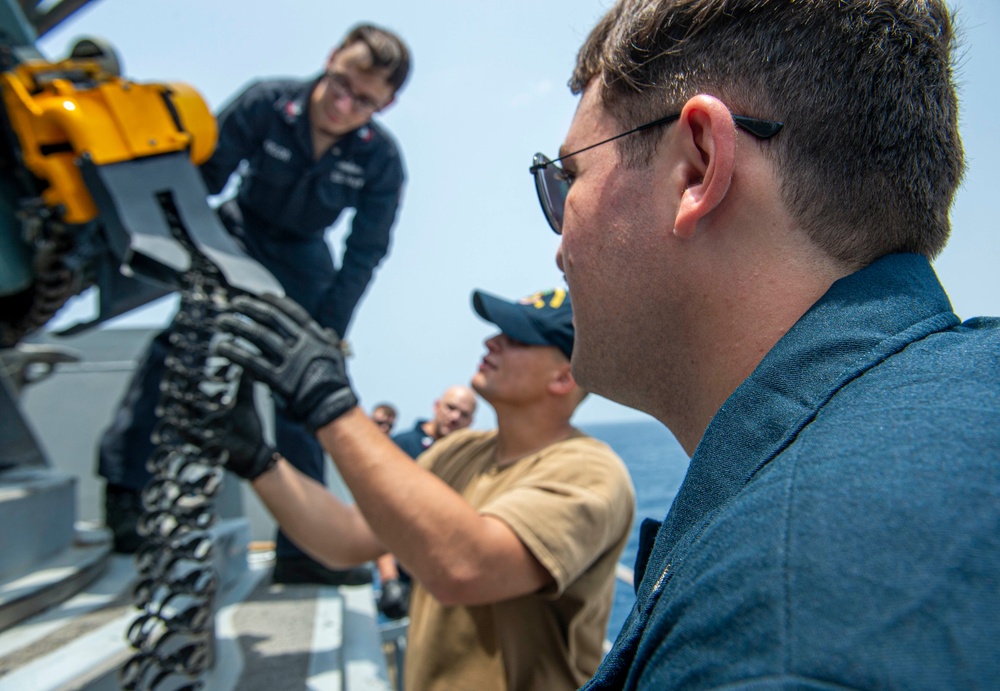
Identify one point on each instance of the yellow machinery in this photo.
(63, 111)
(99, 186)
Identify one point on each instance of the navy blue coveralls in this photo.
(285, 203)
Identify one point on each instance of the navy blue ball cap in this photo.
(544, 319)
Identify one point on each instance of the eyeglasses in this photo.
(340, 88)
(552, 182)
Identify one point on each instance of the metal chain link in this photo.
(174, 634)
(54, 282)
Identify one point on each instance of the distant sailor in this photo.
(452, 411)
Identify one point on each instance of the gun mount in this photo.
(99, 188)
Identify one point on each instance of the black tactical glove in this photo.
(298, 359)
(236, 429)
(395, 599)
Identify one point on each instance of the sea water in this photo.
(657, 464)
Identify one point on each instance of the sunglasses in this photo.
(552, 182)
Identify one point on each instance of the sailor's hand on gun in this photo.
(236, 429)
(302, 362)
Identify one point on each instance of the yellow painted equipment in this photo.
(63, 111)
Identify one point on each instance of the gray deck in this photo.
(268, 637)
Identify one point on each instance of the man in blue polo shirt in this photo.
(749, 197)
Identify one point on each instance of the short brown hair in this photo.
(388, 408)
(870, 155)
(388, 51)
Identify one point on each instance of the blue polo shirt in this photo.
(414, 441)
(839, 524)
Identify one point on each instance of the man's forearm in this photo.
(318, 522)
(344, 295)
(456, 553)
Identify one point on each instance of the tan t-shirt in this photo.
(572, 505)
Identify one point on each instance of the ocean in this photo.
(657, 464)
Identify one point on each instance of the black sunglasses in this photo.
(552, 182)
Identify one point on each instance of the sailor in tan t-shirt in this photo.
(571, 505)
(511, 535)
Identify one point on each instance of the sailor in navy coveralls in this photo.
(304, 152)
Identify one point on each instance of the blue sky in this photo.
(487, 91)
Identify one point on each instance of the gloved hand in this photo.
(395, 599)
(236, 429)
(298, 359)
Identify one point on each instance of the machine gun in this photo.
(89, 164)
(99, 188)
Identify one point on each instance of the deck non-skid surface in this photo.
(267, 637)
(274, 628)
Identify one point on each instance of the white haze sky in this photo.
(488, 90)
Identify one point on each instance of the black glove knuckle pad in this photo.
(299, 360)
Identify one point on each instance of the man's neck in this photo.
(728, 345)
(523, 432)
(732, 285)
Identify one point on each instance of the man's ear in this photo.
(562, 382)
(392, 99)
(708, 148)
